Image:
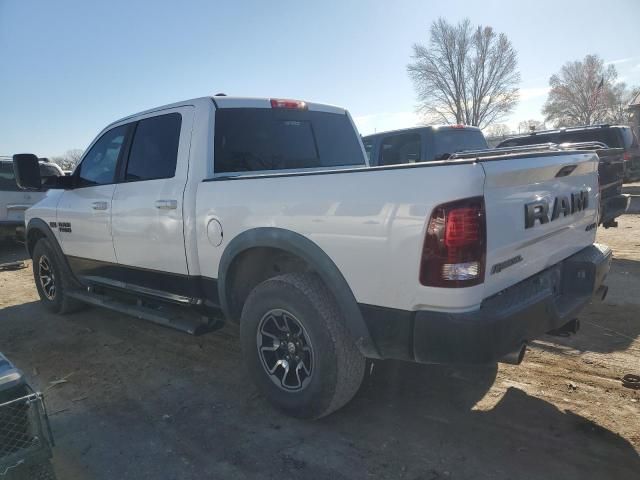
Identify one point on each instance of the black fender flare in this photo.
(42, 226)
(314, 256)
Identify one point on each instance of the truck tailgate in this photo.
(540, 209)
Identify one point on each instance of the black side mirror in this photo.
(27, 171)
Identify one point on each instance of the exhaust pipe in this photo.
(515, 357)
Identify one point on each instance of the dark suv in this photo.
(614, 136)
(619, 155)
(422, 144)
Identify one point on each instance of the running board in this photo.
(178, 318)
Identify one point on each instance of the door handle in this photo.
(166, 204)
(99, 205)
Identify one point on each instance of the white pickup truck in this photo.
(14, 202)
(266, 210)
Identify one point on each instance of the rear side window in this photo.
(402, 148)
(48, 173)
(368, 147)
(154, 150)
(254, 139)
(98, 166)
(7, 178)
(530, 140)
(607, 136)
(628, 137)
(448, 141)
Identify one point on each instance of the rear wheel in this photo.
(297, 348)
(52, 280)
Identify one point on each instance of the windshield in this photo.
(448, 141)
(258, 139)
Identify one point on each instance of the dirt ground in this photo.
(143, 402)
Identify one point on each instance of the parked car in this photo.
(25, 436)
(618, 150)
(422, 144)
(264, 212)
(13, 201)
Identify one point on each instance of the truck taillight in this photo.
(288, 104)
(626, 156)
(455, 245)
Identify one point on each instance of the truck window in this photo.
(605, 135)
(98, 166)
(401, 148)
(154, 150)
(447, 141)
(48, 173)
(254, 139)
(628, 137)
(368, 147)
(529, 140)
(7, 178)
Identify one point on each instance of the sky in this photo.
(68, 68)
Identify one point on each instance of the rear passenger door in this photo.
(400, 148)
(147, 215)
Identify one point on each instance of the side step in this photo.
(178, 318)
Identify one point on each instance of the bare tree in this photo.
(465, 75)
(582, 93)
(496, 133)
(527, 126)
(618, 103)
(69, 160)
(497, 130)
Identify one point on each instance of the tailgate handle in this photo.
(566, 171)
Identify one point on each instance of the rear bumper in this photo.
(11, 228)
(503, 322)
(613, 207)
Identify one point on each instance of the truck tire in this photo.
(52, 280)
(296, 346)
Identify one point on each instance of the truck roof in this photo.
(566, 129)
(224, 101)
(424, 127)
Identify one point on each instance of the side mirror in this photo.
(27, 171)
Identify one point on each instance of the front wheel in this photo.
(52, 281)
(297, 348)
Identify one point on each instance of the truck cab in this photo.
(422, 144)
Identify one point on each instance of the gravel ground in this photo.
(144, 402)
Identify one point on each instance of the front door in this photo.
(84, 212)
(147, 217)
